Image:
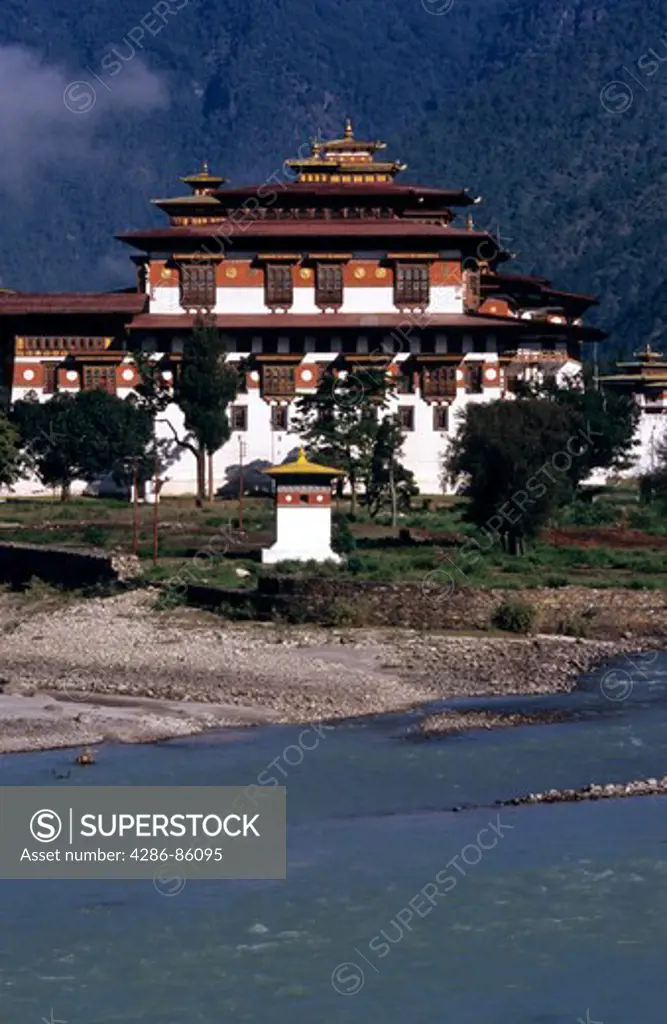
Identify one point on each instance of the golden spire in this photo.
(349, 134)
(204, 167)
(469, 222)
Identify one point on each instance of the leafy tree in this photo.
(153, 394)
(50, 444)
(389, 483)
(10, 468)
(607, 418)
(153, 391)
(513, 457)
(205, 387)
(339, 422)
(82, 436)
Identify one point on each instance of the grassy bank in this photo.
(612, 543)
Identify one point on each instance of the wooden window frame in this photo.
(198, 285)
(99, 378)
(472, 290)
(440, 417)
(279, 418)
(439, 382)
(278, 285)
(474, 378)
(238, 418)
(412, 285)
(329, 285)
(278, 380)
(406, 418)
(50, 370)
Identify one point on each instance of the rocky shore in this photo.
(593, 791)
(464, 721)
(75, 672)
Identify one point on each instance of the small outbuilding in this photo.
(303, 512)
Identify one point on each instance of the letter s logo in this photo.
(45, 826)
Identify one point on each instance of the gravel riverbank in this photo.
(75, 672)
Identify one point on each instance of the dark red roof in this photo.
(17, 303)
(361, 321)
(326, 190)
(397, 228)
(517, 283)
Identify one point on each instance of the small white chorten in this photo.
(303, 512)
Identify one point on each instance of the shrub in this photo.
(355, 565)
(341, 613)
(556, 581)
(342, 540)
(575, 625)
(515, 616)
(96, 536)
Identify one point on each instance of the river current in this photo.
(563, 918)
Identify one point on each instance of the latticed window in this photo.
(239, 417)
(278, 380)
(50, 377)
(279, 288)
(474, 378)
(441, 417)
(406, 417)
(439, 382)
(472, 290)
(198, 286)
(329, 284)
(411, 285)
(102, 378)
(279, 417)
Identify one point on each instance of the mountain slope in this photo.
(512, 98)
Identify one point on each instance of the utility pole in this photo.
(241, 454)
(135, 509)
(155, 508)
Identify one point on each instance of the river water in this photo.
(563, 918)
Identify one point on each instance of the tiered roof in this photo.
(648, 370)
(345, 161)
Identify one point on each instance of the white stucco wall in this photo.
(302, 533)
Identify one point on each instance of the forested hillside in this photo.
(501, 96)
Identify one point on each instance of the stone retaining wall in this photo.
(602, 613)
(66, 567)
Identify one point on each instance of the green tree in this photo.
(153, 394)
(513, 458)
(389, 483)
(82, 436)
(10, 466)
(339, 422)
(608, 418)
(205, 387)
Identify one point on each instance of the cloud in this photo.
(50, 116)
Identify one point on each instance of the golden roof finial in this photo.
(204, 167)
(469, 222)
(349, 133)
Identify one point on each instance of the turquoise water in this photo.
(566, 915)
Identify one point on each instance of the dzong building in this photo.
(335, 263)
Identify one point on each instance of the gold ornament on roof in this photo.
(341, 160)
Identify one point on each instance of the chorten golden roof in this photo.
(302, 466)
